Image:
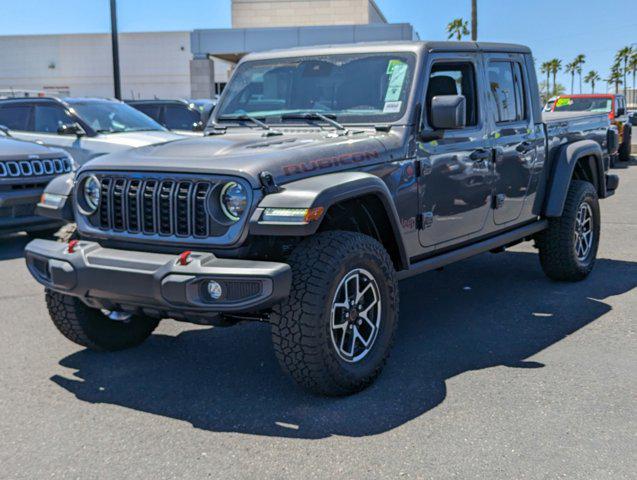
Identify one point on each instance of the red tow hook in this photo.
(72, 245)
(184, 258)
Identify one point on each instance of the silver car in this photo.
(85, 127)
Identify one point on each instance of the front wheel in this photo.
(334, 332)
(92, 329)
(568, 247)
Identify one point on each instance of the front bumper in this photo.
(17, 212)
(156, 283)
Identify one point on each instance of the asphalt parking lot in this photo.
(497, 373)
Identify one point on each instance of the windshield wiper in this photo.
(328, 118)
(256, 121)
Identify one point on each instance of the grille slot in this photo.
(174, 207)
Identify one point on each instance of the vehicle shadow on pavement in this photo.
(12, 246)
(486, 312)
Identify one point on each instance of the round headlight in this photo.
(91, 192)
(234, 200)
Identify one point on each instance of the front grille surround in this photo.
(160, 208)
(35, 167)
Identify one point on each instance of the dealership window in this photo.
(48, 118)
(505, 81)
(15, 117)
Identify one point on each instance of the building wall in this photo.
(293, 13)
(152, 64)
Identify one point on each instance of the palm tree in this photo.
(571, 69)
(624, 56)
(592, 77)
(556, 66)
(632, 68)
(615, 77)
(458, 29)
(579, 61)
(546, 68)
(474, 20)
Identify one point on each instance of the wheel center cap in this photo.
(353, 315)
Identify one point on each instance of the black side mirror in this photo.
(71, 129)
(621, 111)
(448, 112)
(198, 126)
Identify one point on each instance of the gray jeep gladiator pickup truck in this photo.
(25, 169)
(326, 175)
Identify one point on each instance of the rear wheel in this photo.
(92, 329)
(568, 247)
(334, 332)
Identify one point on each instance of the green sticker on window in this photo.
(392, 64)
(396, 81)
(563, 102)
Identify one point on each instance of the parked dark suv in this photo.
(181, 116)
(25, 169)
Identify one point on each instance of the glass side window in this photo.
(151, 110)
(48, 118)
(454, 79)
(507, 92)
(15, 117)
(180, 118)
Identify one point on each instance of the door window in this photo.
(180, 118)
(454, 79)
(151, 110)
(15, 117)
(48, 118)
(505, 82)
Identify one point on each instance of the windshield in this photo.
(355, 88)
(113, 117)
(570, 104)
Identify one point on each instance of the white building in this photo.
(184, 64)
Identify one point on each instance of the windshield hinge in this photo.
(268, 183)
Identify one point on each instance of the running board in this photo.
(487, 245)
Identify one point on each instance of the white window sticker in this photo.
(396, 81)
(392, 107)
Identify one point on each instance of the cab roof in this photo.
(395, 46)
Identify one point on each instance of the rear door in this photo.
(456, 170)
(513, 134)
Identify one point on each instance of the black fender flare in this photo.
(325, 191)
(563, 169)
(61, 187)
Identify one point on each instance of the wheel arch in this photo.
(352, 201)
(581, 160)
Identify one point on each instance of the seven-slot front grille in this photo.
(34, 168)
(170, 207)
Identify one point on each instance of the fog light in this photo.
(214, 290)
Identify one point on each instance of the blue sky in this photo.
(552, 28)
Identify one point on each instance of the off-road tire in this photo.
(556, 244)
(90, 328)
(301, 324)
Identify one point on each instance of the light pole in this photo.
(474, 20)
(116, 79)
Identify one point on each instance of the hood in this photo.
(13, 149)
(287, 157)
(140, 139)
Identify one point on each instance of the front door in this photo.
(457, 169)
(513, 137)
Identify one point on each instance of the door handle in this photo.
(480, 155)
(525, 147)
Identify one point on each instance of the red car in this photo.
(613, 104)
